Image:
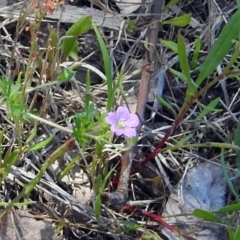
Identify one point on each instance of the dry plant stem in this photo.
(149, 58)
(119, 197)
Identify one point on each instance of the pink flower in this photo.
(123, 122)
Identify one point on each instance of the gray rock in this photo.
(22, 226)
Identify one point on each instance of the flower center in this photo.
(121, 123)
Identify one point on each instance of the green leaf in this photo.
(166, 104)
(15, 89)
(178, 74)
(183, 60)
(181, 21)
(41, 144)
(237, 234)
(237, 143)
(221, 47)
(129, 225)
(69, 167)
(184, 140)
(65, 75)
(12, 157)
(205, 215)
(98, 207)
(131, 24)
(238, 3)
(98, 183)
(230, 233)
(170, 44)
(32, 135)
(88, 89)
(69, 45)
(209, 108)
(99, 188)
(171, 3)
(107, 67)
(59, 227)
(2, 136)
(197, 49)
(231, 208)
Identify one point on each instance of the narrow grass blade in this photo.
(107, 67)
(184, 140)
(88, 89)
(237, 234)
(237, 143)
(2, 136)
(230, 233)
(183, 60)
(206, 215)
(98, 203)
(170, 44)
(209, 108)
(32, 134)
(41, 144)
(238, 3)
(228, 209)
(166, 104)
(196, 51)
(181, 21)
(221, 47)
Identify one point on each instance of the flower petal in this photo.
(130, 132)
(111, 118)
(117, 131)
(132, 120)
(122, 112)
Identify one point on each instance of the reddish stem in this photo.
(157, 219)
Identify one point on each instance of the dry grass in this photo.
(53, 104)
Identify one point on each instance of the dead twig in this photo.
(119, 197)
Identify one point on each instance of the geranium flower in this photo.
(123, 122)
